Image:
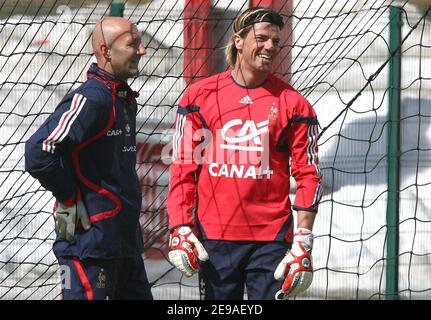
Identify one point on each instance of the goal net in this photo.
(336, 53)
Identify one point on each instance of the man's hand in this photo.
(68, 217)
(296, 268)
(185, 250)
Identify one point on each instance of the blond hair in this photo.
(243, 24)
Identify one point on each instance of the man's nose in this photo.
(141, 50)
(270, 45)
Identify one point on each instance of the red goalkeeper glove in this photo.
(296, 267)
(186, 250)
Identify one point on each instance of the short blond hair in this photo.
(243, 24)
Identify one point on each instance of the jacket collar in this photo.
(121, 87)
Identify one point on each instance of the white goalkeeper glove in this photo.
(68, 217)
(186, 250)
(296, 267)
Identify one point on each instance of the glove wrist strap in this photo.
(305, 236)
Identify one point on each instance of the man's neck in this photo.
(248, 78)
(107, 67)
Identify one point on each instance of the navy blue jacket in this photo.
(89, 144)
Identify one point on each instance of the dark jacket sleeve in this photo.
(48, 152)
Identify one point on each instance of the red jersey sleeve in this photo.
(183, 170)
(302, 142)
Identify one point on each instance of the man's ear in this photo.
(239, 42)
(106, 52)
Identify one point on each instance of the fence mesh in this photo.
(338, 54)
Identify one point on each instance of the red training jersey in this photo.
(238, 146)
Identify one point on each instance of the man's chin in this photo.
(267, 66)
(131, 74)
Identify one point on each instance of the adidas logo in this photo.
(246, 100)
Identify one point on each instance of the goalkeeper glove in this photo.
(68, 216)
(185, 250)
(296, 268)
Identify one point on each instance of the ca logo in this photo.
(250, 131)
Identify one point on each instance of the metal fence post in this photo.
(392, 214)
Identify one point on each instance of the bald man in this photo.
(85, 154)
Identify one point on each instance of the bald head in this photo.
(108, 30)
(116, 40)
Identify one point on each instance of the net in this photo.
(336, 53)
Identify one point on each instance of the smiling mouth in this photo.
(265, 57)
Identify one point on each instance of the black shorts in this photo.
(234, 265)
